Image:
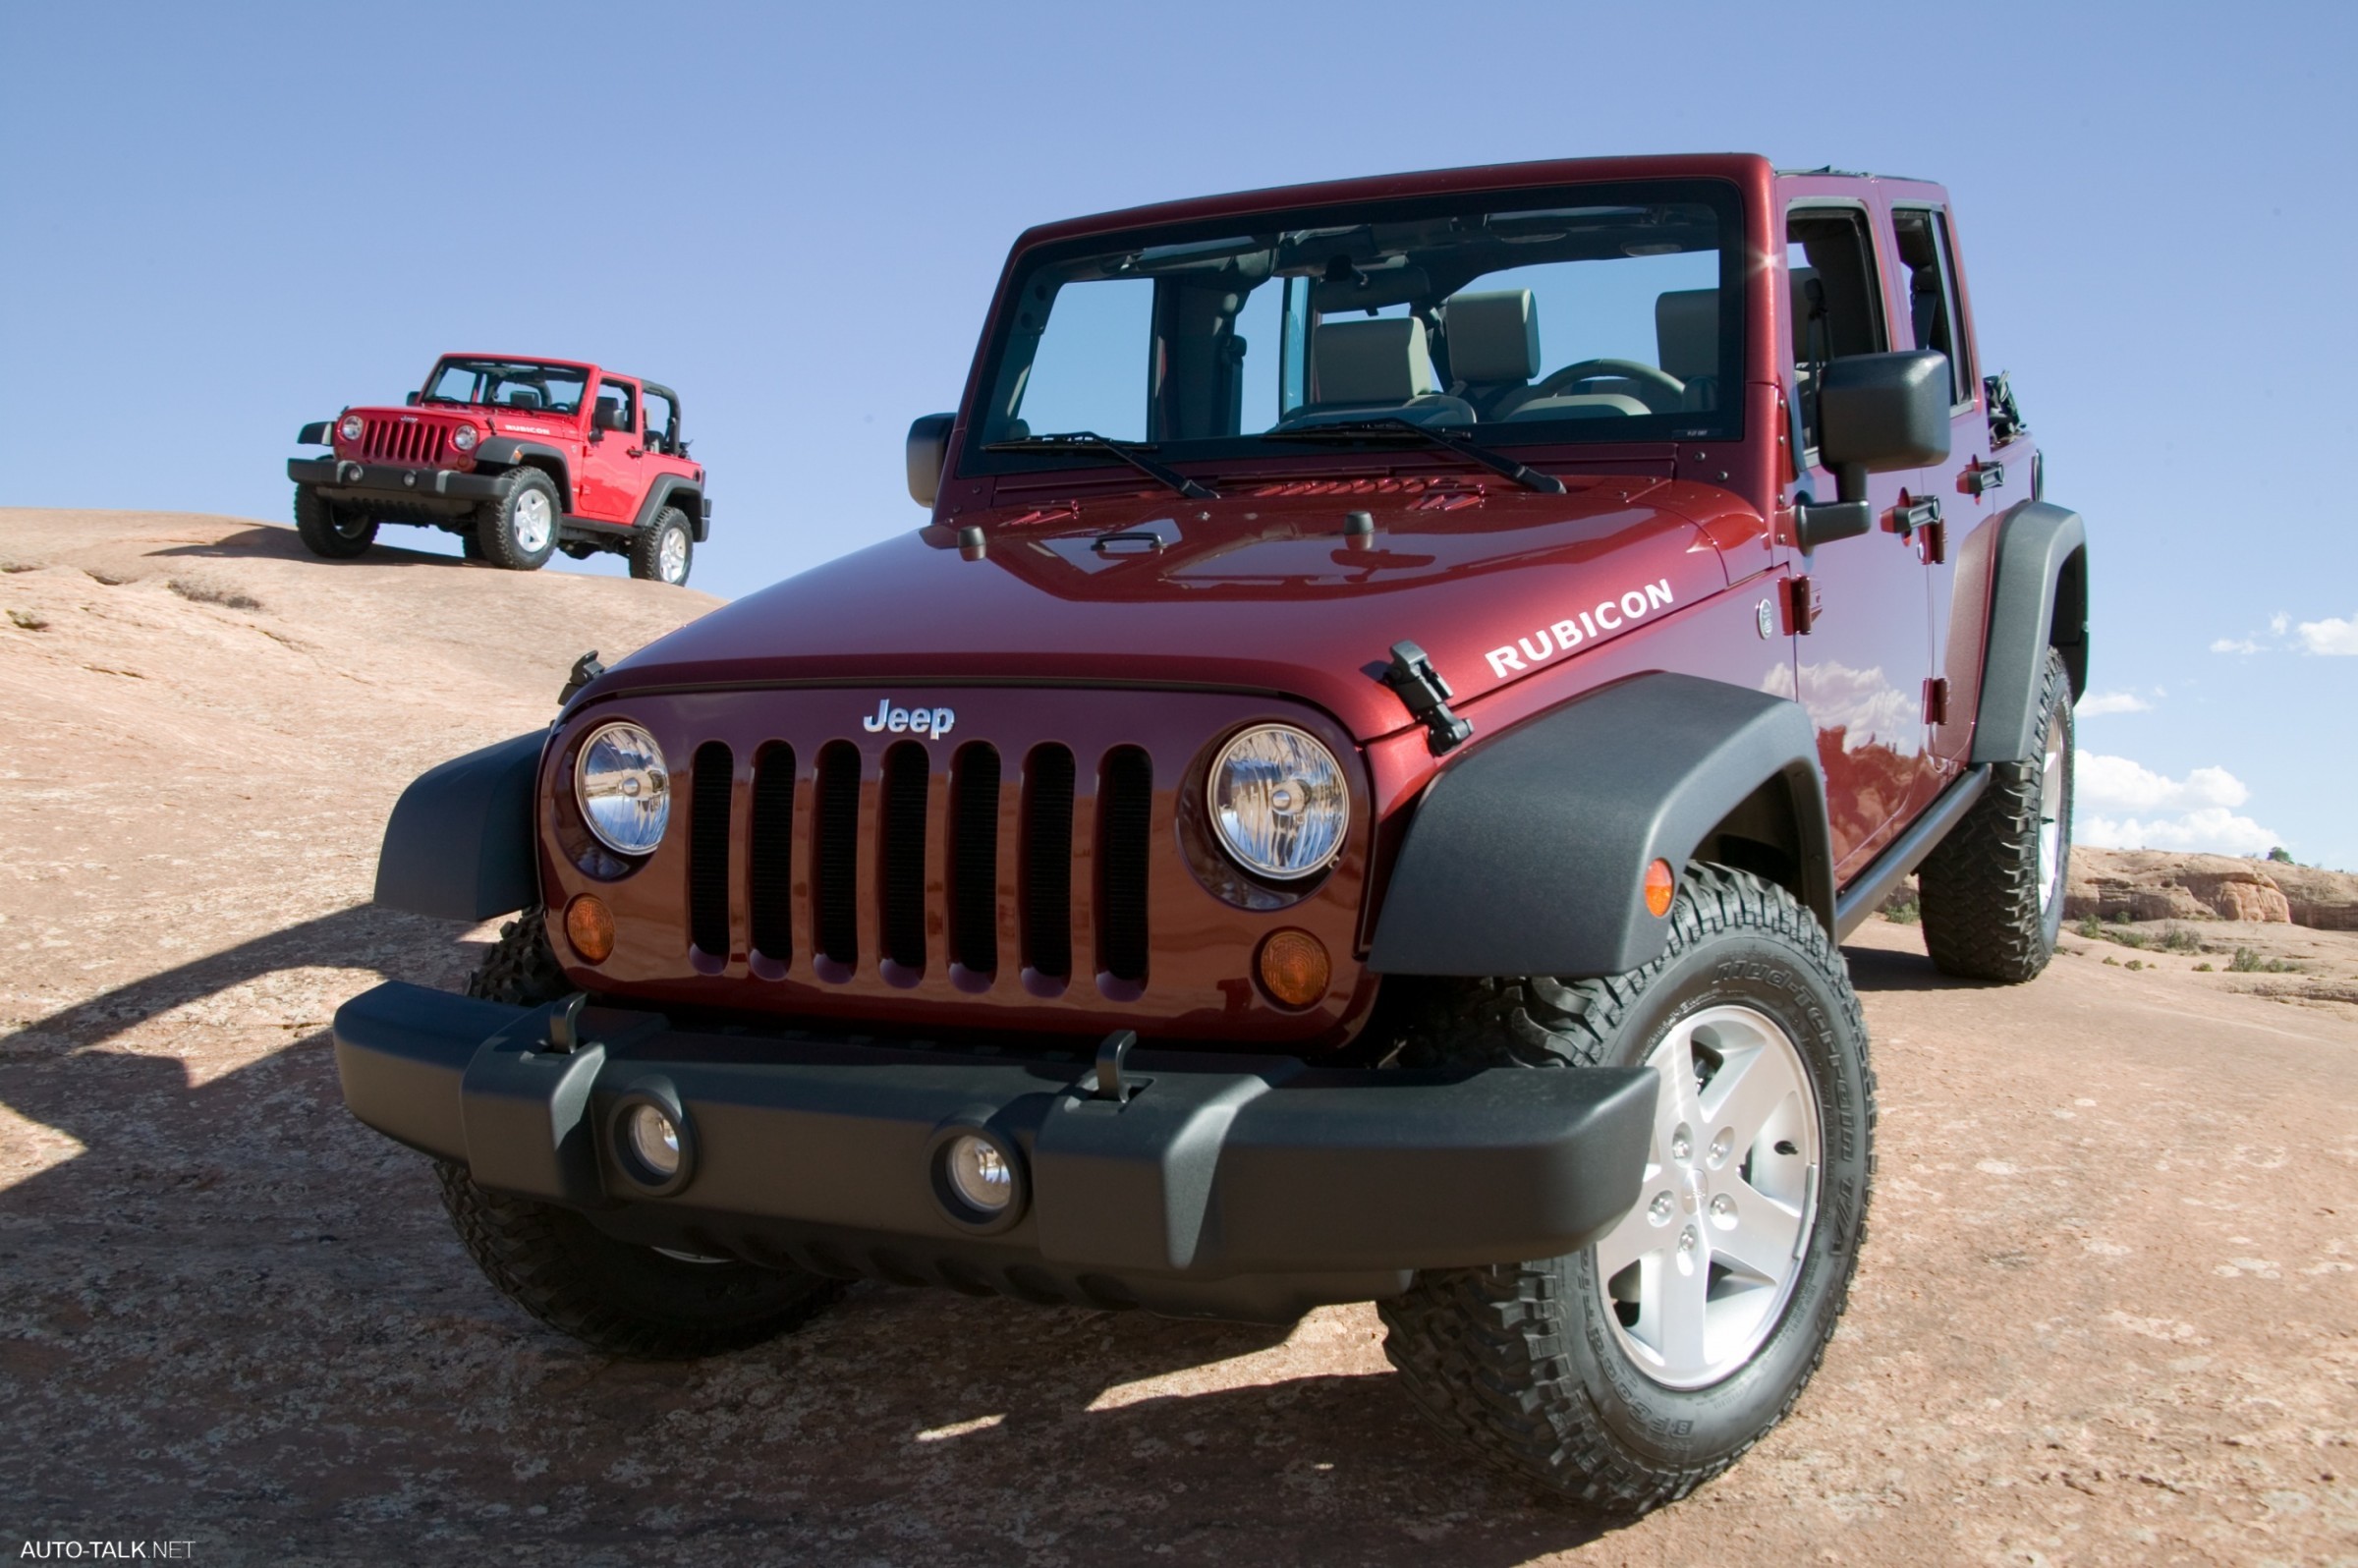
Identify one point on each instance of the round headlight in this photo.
(1279, 802)
(624, 788)
(464, 438)
(350, 427)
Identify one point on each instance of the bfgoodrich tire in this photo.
(619, 1297)
(1992, 892)
(330, 531)
(664, 549)
(1626, 1374)
(518, 527)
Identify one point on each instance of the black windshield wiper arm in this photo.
(1394, 428)
(1129, 452)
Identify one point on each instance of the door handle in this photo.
(1911, 515)
(1979, 478)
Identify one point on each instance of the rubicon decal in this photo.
(1602, 620)
(909, 720)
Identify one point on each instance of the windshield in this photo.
(1593, 313)
(520, 384)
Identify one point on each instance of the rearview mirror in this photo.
(610, 416)
(928, 454)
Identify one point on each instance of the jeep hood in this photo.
(1258, 591)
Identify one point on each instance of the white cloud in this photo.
(2278, 622)
(2112, 703)
(2234, 644)
(2123, 805)
(2331, 635)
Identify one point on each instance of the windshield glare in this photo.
(1593, 316)
(518, 385)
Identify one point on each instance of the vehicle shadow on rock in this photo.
(1876, 968)
(235, 1315)
(284, 544)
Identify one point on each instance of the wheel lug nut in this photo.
(1721, 1143)
(1724, 1209)
(1682, 1143)
(1660, 1209)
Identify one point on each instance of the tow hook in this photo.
(1427, 697)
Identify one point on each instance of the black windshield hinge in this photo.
(1427, 697)
(585, 670)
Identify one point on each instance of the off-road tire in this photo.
(648, 561)
(1988, 913)
(523, 492)
(1517, 1361)
(618, 1298)
(331, 531)
(520, 969)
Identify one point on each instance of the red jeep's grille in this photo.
(966, 904)
(419, 443)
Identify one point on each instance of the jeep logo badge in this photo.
(909, 720)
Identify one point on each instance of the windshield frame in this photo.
(588, 374)
(1534, 442)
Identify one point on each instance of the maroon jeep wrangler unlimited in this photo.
(520, 458)
(1353, 794)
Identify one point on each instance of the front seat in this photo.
(1493, 341)
(1376, 368)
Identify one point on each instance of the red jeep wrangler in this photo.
(1354, 794)
(517, 457)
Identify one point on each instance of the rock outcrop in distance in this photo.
(2167, 885)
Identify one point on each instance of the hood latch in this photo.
(1426, 697)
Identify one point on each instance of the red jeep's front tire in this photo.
(518, 527)
(333, 533)
(664, 549)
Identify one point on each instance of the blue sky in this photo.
(221, 222)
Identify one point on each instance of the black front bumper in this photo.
(1224, 1186)
(390, 480)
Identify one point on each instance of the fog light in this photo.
(1294, 967)
(980, 1173)
(655, 1140)
(590, 927)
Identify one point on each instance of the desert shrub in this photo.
(1902, 907)
(2202, 968)
(2090, 927)
(2247, 961)
(2178, 939)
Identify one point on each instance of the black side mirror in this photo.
(412, 398)
(928, 453)
(1876, 412)
(610, 416)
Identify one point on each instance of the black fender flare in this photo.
(1528, 855)
(502, 451)
(2038, 598)
(667, 491)
(459, 845)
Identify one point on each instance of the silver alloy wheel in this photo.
(672, 560)
(532, 520)
(2050, 826)
(1699, 1271)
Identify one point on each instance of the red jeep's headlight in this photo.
(464, 438)
(350, 427)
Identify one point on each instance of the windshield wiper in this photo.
(1392, 428)
(1129, 452)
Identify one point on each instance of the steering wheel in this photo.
(1571, 375)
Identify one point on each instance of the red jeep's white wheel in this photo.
(518, 527)
(664, 549)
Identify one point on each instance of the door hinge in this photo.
(1802, 604)
(1935, 699)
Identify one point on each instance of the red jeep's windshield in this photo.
(1578, 313)
(524, 385)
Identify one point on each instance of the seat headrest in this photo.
(1686, 332)
(1802, 278)
(523, 397)
(1381, 361)
(1494, 337)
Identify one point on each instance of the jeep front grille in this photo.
(883, 884)
(419, 443)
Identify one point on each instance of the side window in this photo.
(661, 419)
(1924, 250)
(618, 396)
(1837, 303)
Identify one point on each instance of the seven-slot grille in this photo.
(404, 441)
(979, 787)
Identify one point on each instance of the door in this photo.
(613, 459)
(1970, 489)
(1861, 667)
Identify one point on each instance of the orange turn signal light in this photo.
(1294, 967)
(1661, 886)
(590, 927)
